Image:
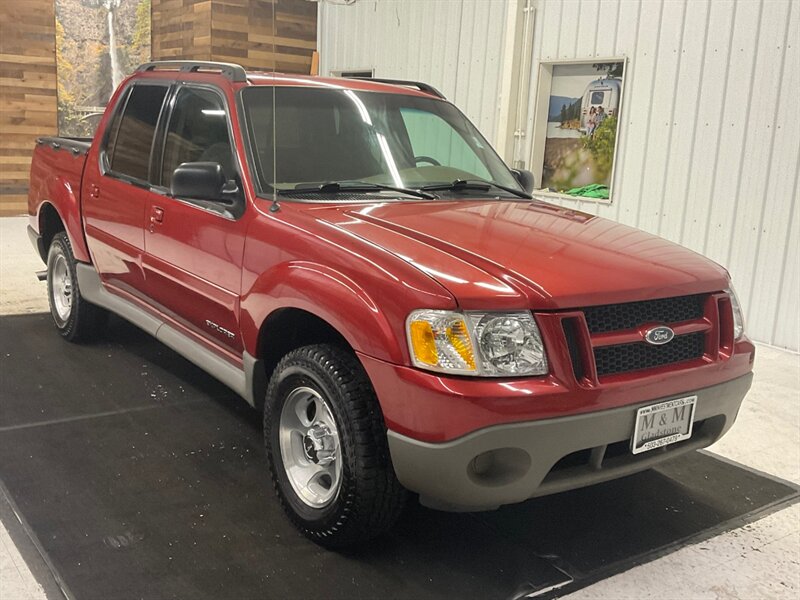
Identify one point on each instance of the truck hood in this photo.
(510, 254)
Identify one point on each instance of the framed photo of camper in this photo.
(576, 129)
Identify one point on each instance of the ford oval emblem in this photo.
(659, 335)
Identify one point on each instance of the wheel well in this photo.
(50, 224)
(287, 329)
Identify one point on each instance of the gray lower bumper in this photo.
(511, 463)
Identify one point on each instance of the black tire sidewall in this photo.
(60, 246)
(85, 320)
(306, 373)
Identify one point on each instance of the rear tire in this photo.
(326, 445)
(75, 318)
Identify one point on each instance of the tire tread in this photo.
(373, 501)
(86, 320)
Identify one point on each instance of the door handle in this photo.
(156, 217)
(94, 191)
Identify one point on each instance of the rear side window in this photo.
(113, 127)
(197, 132)
(129, 150)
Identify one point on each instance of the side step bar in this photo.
(41, 275)
(240, 381)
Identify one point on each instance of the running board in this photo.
(240, 381)
(41, 275)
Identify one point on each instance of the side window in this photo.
(433, 138)
(197, 132)
(129, 150)
(113, 128)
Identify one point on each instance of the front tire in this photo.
(75, 318)
(326, 445)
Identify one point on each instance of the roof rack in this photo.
(423, 87)
(235, 73)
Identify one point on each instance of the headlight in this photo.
(476, 343)
(509, 344)
(738, 317)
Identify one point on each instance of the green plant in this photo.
(601, 145)
(139, 48)
(67, 117)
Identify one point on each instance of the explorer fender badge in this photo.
(658, 336)
(219, 329)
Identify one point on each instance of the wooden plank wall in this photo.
(28, 103)
(238, 31)
(181, 29)
(242, 32)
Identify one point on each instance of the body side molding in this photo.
(242, 381)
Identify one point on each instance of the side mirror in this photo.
(525, 179)
(199, 181)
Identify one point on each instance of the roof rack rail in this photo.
(235, 73)
(423, 87)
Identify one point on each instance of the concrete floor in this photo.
(759, 560)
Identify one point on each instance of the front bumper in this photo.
(512, 462)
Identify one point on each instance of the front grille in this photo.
(640, 355)
(616, 317)
(618, 454)
(570, 333)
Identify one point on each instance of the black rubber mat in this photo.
(138, 476)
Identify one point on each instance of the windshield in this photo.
(339, 135)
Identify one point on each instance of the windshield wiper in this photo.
(474, 184)
(335, 187)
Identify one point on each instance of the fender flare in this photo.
(62, 198)
(327, 294)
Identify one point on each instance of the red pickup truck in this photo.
(353, 258)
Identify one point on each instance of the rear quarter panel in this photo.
(56, 180)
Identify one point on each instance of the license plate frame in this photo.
(658, 432)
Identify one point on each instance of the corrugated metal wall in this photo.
(709, 146)
(454, 45)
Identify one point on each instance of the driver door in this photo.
(193, 249)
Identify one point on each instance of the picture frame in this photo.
(574, 144)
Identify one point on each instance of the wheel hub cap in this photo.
(61, 286)
(309, 444)
(319, 445)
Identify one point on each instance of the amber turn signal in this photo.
(439, 340)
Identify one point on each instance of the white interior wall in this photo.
(709, 141)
